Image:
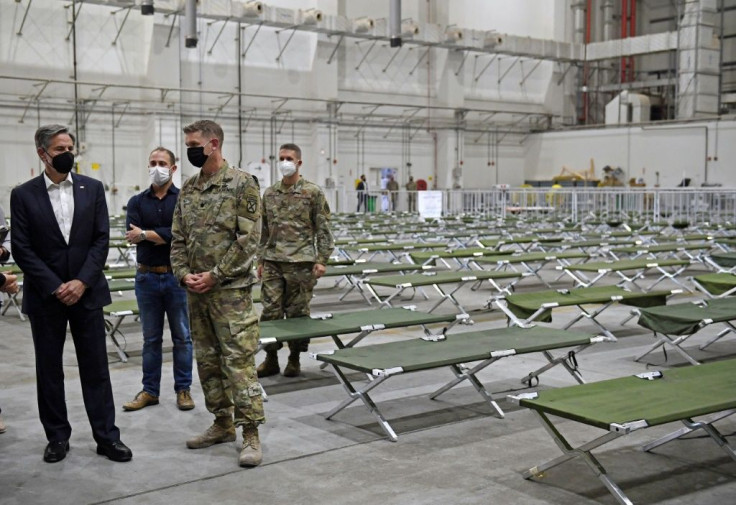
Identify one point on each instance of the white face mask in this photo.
(159, 175)
(287, 168)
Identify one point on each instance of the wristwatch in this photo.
(142, 235)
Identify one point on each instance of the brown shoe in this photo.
(221, 431)
(270, 365)
(251, 454)
(292, 368)
(184, 400)
(141, 400)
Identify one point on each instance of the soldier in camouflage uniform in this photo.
(215, 235)
(296, 244)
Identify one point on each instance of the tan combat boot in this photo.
(222, 430)
(292, 368)
(251, 454)
(270, 365)
(142, 399)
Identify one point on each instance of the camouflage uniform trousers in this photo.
(225, 335)
(286, 290)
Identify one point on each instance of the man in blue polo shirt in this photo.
(148, 222)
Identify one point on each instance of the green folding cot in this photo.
(355, 274)
(126, 251)
(460, 257)
(722, 262)
(381, 361)
(400, 283)
(394, 250)
(115, 313)
(532, 263)
(677, 250)
(719, 285)
(11, 300)
(667, 268)
(628, 404)
(526, 308)
(362, 322)
(673, 324)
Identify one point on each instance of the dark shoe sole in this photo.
(55, 458)
(117, 459)
(184, 407)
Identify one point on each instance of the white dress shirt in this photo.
(62, 201)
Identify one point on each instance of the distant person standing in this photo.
(411, 191)
(60, 240)
(158, 292)
(362, 189)
(393, 188)
(296, 244)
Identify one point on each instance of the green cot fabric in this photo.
(404, 246)
(427, 279)
(121, 285)
(532, 257)
(686, 318)
(600, 243)
(717, 284)
(526, 304)
(727, 260)
(681, 393)
(120, 273)
(368, 267)
(621, 265)
(661, 248)
(418, 354)
(121, 306)
(357, 241)
(423, 256)
(284, 330)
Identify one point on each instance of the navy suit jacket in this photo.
(43, 255)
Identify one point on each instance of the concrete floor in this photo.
(450, 451)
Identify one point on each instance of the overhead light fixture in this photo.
(454, 35)
(147, 7)
(363, 25)
(311, 17)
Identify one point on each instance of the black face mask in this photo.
(196, 156)
(63, 163)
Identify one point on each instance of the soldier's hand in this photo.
(259, 271)
(200, 283)
(318, 270)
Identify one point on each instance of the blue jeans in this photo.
(160, 294)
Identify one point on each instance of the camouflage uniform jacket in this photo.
(296, 224)
(216, 227)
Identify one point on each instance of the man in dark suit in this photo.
(60, 241)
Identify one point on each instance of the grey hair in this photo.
(46, 132)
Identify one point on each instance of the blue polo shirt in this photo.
(148, 212)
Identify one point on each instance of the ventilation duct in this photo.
(628, 107)
(394, 23)
(190, 18)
